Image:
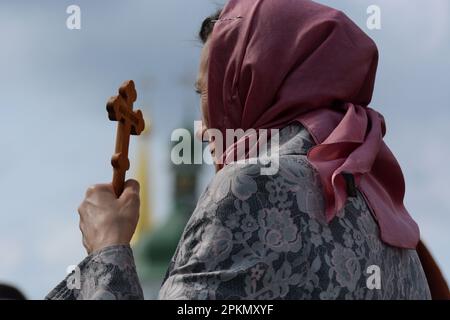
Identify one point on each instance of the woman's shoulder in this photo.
(241, 189)
(292, 172)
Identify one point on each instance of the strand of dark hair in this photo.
(208, 26)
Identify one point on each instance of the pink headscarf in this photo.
(274, 62)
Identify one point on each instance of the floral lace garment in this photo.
(265, 237)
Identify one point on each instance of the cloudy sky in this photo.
(55, 139)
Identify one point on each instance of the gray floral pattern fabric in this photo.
(109, 274)
(265, 237)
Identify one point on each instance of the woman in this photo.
(329, 224)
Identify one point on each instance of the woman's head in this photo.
(267, 62)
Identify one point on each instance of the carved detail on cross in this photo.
(120, 109)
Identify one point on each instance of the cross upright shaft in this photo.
(120, 109)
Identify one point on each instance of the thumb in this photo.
(131, 187)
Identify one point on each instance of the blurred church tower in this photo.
(154, 248)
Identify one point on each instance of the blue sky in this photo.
(56, 140)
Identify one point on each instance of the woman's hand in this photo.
(107, 221)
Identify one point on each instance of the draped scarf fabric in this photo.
(274, 62)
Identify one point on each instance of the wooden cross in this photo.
(120, 109)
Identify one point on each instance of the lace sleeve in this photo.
(109, 274)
